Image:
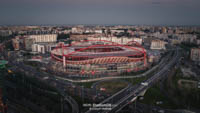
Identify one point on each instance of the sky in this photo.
(132, 12)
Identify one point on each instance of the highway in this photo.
(118, 100)
(128, 95)
(30, 71)
(59, 84)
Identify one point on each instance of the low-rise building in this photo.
(116, 31)
(44, 38)
(187, 38)
(198, 41)
(138, 40)
(5, 32)
(77, 30)
(98, 31)
(121, 40)
(175, 41)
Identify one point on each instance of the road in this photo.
(119, 100)
(30, 71)
(130, 94)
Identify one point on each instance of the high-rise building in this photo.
(28, 42)
(15, 43)
(38, 48)
(32, 39)
(158, 44)
(198, 41)
(195, 54)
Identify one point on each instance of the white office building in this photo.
(38, 48)
(158, 44)
(44, 38)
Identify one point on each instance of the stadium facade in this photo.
(93, 57)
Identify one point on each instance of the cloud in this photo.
(100, 11)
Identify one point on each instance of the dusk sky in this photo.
(150, 12)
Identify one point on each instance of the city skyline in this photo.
(98, 69)
(137, 12)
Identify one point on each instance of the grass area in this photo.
(86, 84)
(154, 95)
(133, 73)
(112, 86)
(178, 76)
(184, 97)
(31, 63)
(173, 96)
(135, 81)
(187, 47)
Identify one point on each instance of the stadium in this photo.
(94, 57)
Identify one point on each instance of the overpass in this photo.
(51, 80)
(130, 94)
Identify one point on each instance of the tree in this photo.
(63, 36)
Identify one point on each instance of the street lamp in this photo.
(62, 104)
(82, 88)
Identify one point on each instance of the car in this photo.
(144, 84)
(141, 98)
(45, 78)
(159, 102)
(161, 111)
